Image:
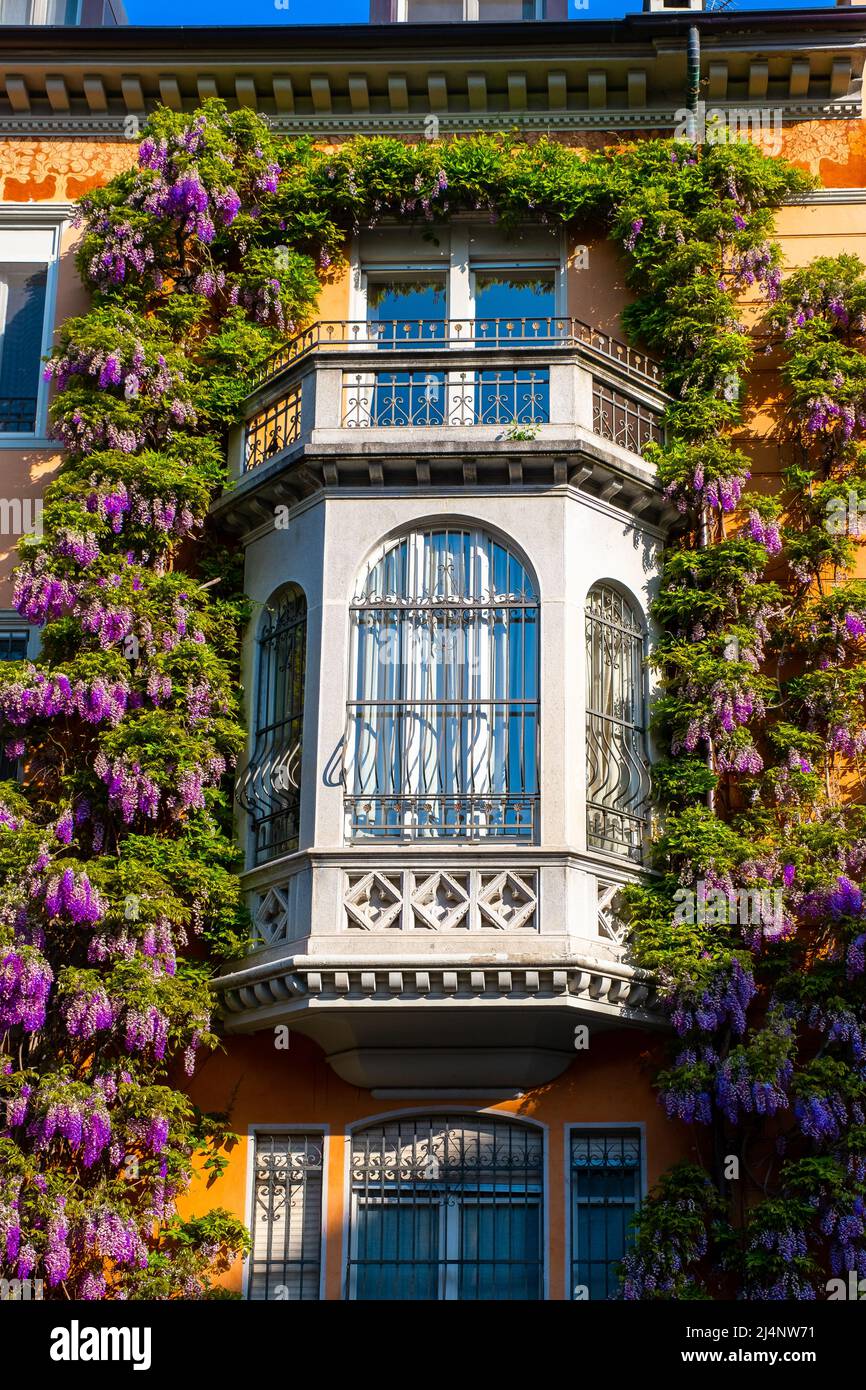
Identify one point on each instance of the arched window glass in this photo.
(443, 705)
(270, 788)
(447, 1207)
(617, 778)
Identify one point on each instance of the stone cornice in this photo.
(608, 121)
(344, 79)
(606, 986)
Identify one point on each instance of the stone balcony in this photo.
(450, 403)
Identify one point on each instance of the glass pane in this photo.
(500, 1251)
(397, 1251)
(270, 786)
(22, 306)
(506, 11)
(434, 11)
(408, 309)
(515, 304)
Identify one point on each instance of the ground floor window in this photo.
(447, 1207)
(285, 1261)
(605, 1194)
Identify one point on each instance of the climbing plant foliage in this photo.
(119, 877)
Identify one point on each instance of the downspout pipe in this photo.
(694, 67)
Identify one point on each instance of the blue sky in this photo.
(349, 11)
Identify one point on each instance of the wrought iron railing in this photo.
(442, 769)
(413, 399)
(269, 787)
(17, 414)
(273, 429)
(413, 334)
(623, 420)
(433, 394)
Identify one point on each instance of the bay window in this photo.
(443, 706)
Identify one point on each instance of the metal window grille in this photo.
(285, 1261)
(273, 429)
(447, 1207)
(605, 1194)
(13, 647)
(617, 775)
(624, 421)
(443, 715)
(270, 786)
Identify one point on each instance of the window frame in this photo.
(459, 267)
(319, 1133)
(634, 854)
(268, 628)
(597, 1128)
(23, 217)
(413, 834)
(471, 11)
(447, 1115)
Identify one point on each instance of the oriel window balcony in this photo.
(413, 383)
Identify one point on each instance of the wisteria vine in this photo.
(119, 878)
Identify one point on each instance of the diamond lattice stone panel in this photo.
(272, 917)
(508, 901)
(609, 923)
(441, 902)
(373, 901)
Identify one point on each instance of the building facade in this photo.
(438, 1054)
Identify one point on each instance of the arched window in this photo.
(270, 788)
(447, 1207)
(617, 778)
(443, 704)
